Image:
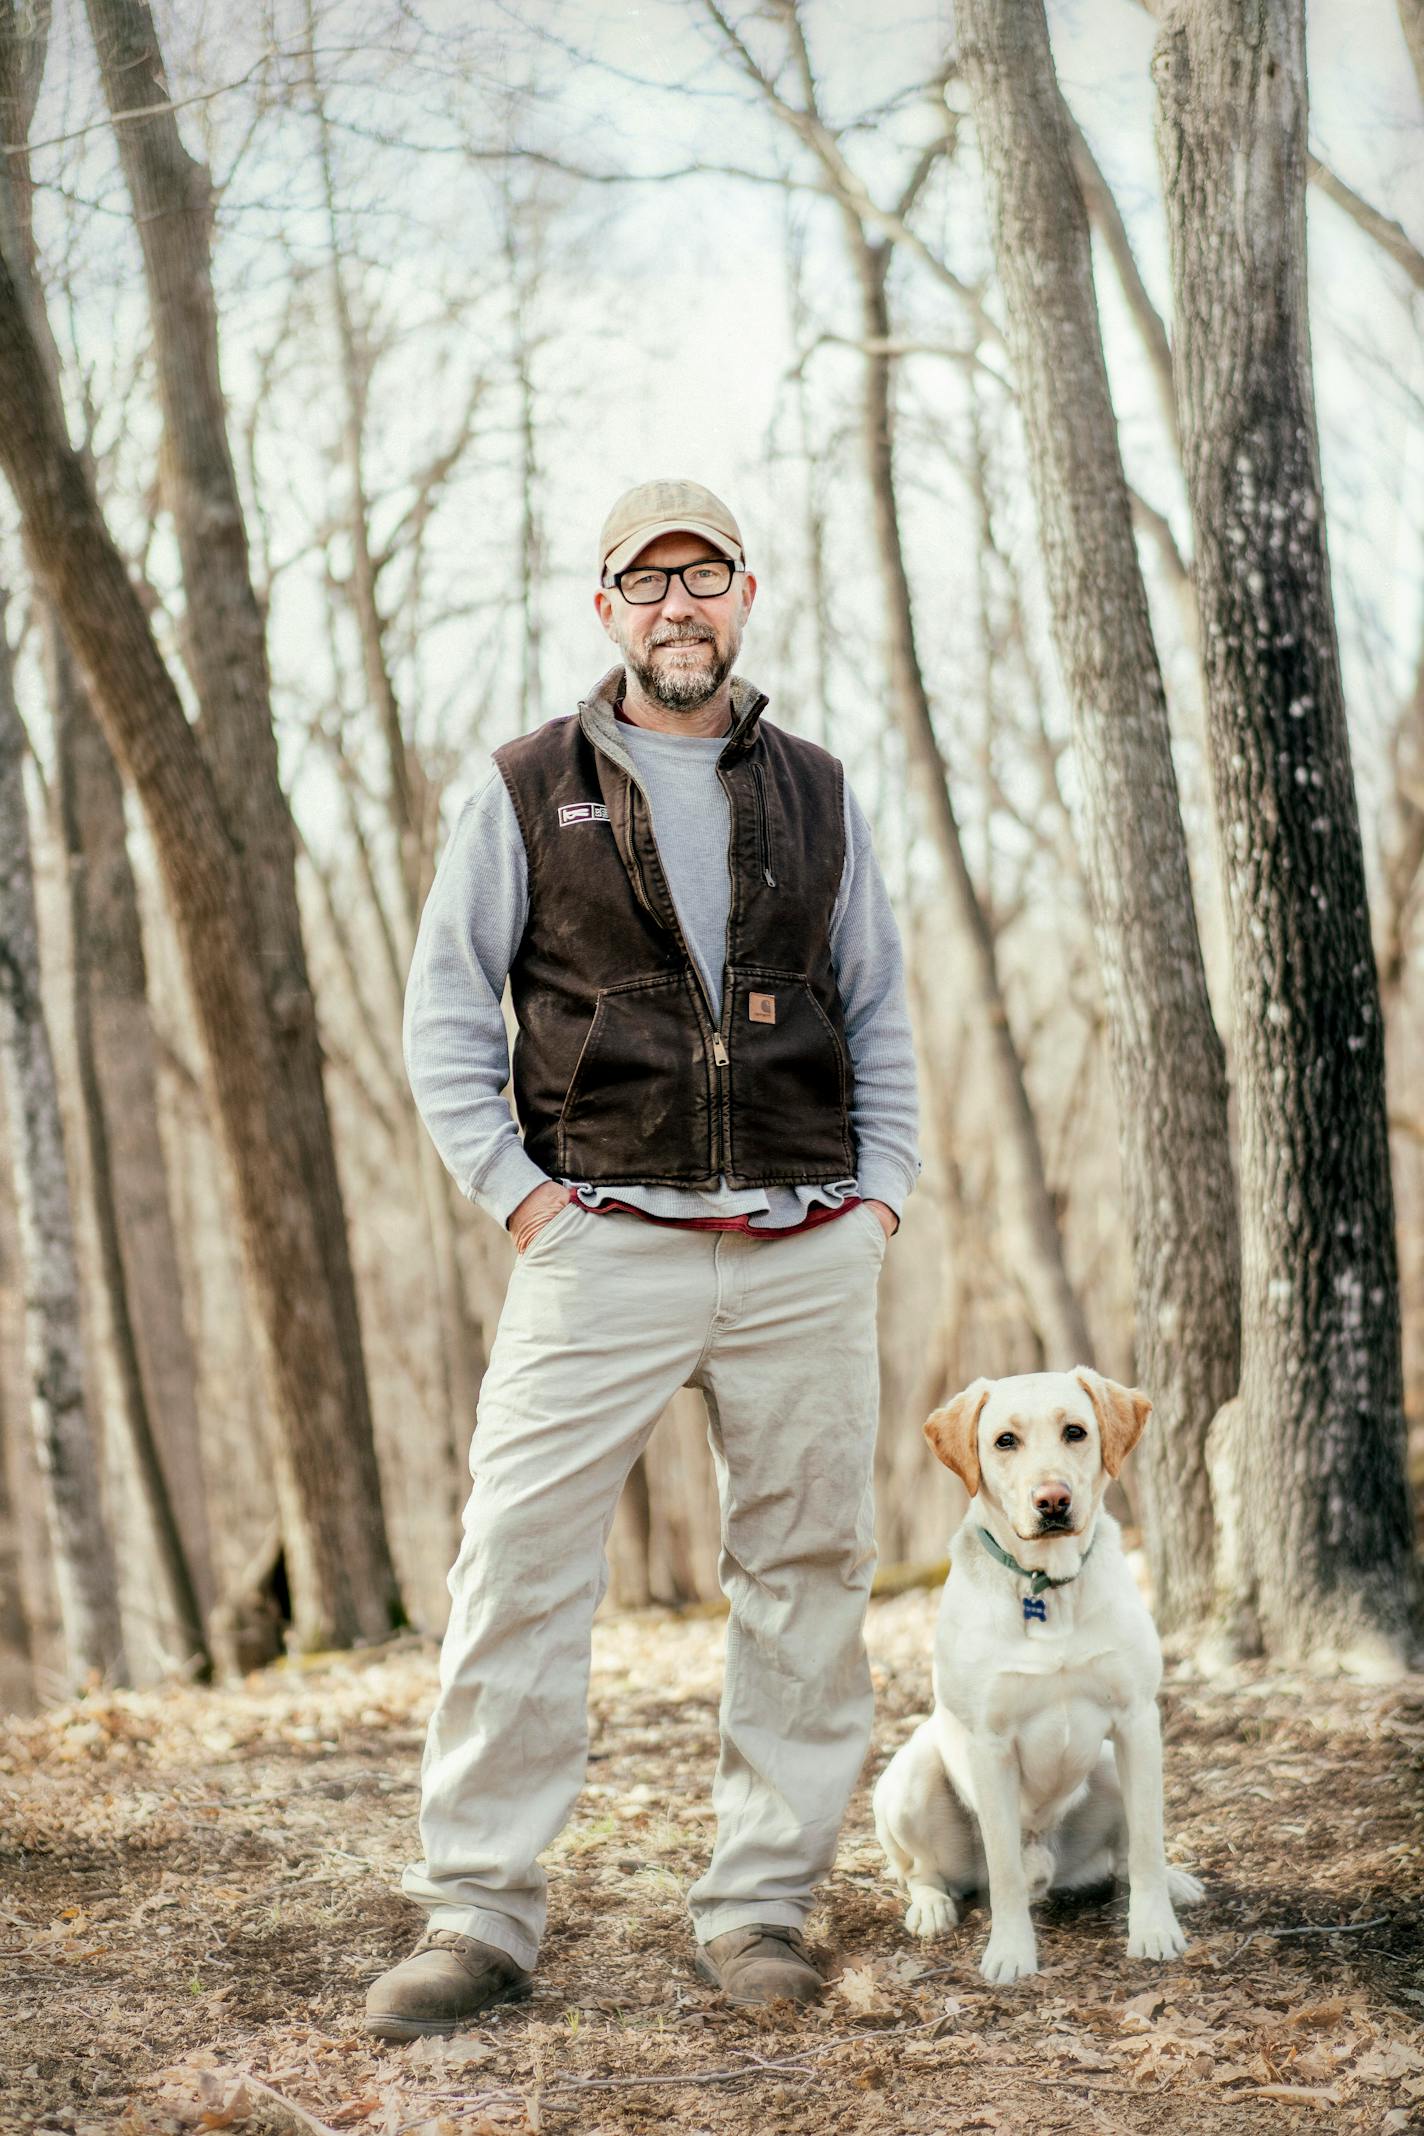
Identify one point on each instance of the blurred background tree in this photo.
(359, 315)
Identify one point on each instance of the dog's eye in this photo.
(1074, 1431)
(1006, 1440)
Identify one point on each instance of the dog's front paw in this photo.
(930, 1913)
(1011, 1954)
(1152, 1931)
(1184, 1889)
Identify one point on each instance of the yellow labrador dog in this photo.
(1044, 1656)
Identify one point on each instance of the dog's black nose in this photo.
(1052, 1502)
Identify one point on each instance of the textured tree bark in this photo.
(1315, 1456)
(107, 959)
(1034, 1241)
(1032, 1236)
(1168, 1067)
(338, 1563)
(84, 1569)
(1402, 855)
(226, 654)
(35, 1596)
(17, 1676)
(126, 1174)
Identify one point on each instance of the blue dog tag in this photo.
(1035, 1607)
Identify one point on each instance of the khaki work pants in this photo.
(605, 1318)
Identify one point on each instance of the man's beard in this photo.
(675, 686)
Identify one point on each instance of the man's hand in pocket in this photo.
(536, 1210)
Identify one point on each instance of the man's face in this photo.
(681, 649)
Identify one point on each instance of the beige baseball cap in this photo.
(655, 508)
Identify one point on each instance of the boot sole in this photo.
(386, 2025)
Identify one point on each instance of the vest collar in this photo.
(597, 717)
(748, 704)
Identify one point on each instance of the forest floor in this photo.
(197, 1886)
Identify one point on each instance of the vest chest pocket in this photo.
(791, 1080)
(638, 1086)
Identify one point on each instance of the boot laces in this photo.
(774, 1932)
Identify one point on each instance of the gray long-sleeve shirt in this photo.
(456, 1044)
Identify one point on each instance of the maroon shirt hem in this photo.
(818, 1213)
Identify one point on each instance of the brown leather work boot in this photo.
(446, 1981)
(760, 1965)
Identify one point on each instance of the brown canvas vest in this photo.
(620, 1074)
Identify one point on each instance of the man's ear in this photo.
(953, 1432)
(1121, 1414)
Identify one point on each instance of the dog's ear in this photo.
(953, 1432)
(1121, 1414)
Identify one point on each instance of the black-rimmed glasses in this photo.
(704, 579)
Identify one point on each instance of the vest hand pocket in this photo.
(791, 1079)
(640, 1087)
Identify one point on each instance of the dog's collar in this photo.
(1037, 1581)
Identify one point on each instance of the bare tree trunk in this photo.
(110, 967)
(630, 1542)
(1321, 1527)
(413, 811)
(1030, 1220)
(1168, 1065)
(17, 1676)
(338, 1562)
(35, 1597)
(87, 771)
(1035, 1246)
(531, 533)
(1106, 218)
(816, 601)
(84, 1568)
(409, 800)
(112, 1031)
(1402, 861)
(226, 655)
(684, 1521)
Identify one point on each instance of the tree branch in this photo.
(1387, 234)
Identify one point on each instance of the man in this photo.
(714, 1079)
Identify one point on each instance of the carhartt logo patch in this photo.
(583, 812)
(761, 1008)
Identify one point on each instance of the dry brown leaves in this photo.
(199, 1885)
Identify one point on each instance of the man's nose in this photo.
(677, 603)
(1052, 1501)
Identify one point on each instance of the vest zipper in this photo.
(763, 825)
(720, 1056)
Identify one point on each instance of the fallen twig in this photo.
(755, 2067)
(1289, 2094)
(318, 2128)
(1328, 1928)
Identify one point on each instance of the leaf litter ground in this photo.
(197, 1887)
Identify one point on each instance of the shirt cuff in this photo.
(882, 1180)
(505, 1182)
